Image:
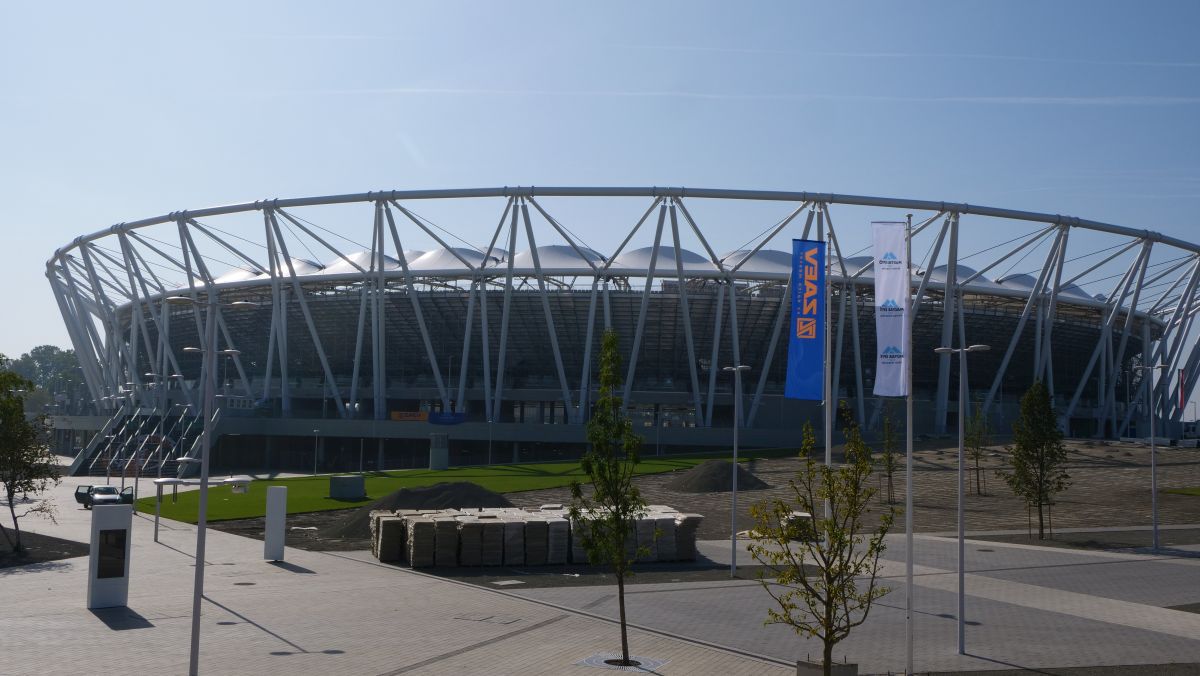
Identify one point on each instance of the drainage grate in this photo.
(645, 664)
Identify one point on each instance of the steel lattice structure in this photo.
(473, 328)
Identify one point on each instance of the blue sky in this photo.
(115, 111)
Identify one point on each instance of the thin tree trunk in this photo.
(4, 532)
(828, 659)
(16, 526)
(624, 629)
(1041, 522)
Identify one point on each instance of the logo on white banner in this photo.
(891, 308)
(892, 293)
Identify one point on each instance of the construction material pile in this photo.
(459, 494)
(715, 476)
(494, 536)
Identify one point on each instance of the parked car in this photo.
(103, 495)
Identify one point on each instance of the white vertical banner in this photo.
(892, 293)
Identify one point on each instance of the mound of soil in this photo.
(460, 494)
(714, 476)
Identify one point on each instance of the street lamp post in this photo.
(962, 421)
(315, 443)
(209, 355)
(1153, 454)
(737, 422)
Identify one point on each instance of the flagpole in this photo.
(908, 479)
(826, 372)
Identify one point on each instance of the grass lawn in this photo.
(1191, 490)
(309, 494)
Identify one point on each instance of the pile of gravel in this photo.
(458, 495)
(714, 476)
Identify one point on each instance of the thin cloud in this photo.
(317, 37)
(911, 55)
(720, 96)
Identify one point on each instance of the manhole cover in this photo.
(645, 664)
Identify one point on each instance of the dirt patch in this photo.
(715, 476)
(40, 549)
(458, 495)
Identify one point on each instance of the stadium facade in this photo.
(354, 356)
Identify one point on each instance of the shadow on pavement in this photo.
(120, 619)
(292, 568)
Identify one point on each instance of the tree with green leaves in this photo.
(1036, 467)
(55, 374)
(978, 436)
(27, 466)
(822, 572)
(605, 519)
(889, 459)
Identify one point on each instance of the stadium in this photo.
(349, 328)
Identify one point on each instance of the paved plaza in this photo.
(344, 613)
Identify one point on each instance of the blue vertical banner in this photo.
(806, 347)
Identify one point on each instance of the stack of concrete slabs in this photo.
(535, 540)
(422, 538)
(514, 540)
(445, 551)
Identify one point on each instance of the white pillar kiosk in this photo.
(273, 536)
(108, 565)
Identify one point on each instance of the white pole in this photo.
(908, 467)
(1153, 468)
(826, 371)
(206, 448)
(157, 510)
(962, 551)
(737, 404)
(737, 417)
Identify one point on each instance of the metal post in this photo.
(1153, 470)
(962, 551)
(737, 410)
(315, 444)
(908, 473)
(1148, 376)
(210, 373)
(157, 510)
(962, 424)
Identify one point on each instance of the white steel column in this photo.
(641, 323)
(504, 318)
(949, 295)
(415, 299)
(685, 313)
(567, 400)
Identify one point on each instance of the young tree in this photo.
(808, 440)
(978, 436)
(833, 593)
(26, 464)
(889, 459)
(1035, 466)
(607, 517)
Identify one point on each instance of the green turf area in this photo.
(309, 494)
(1191, 490)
